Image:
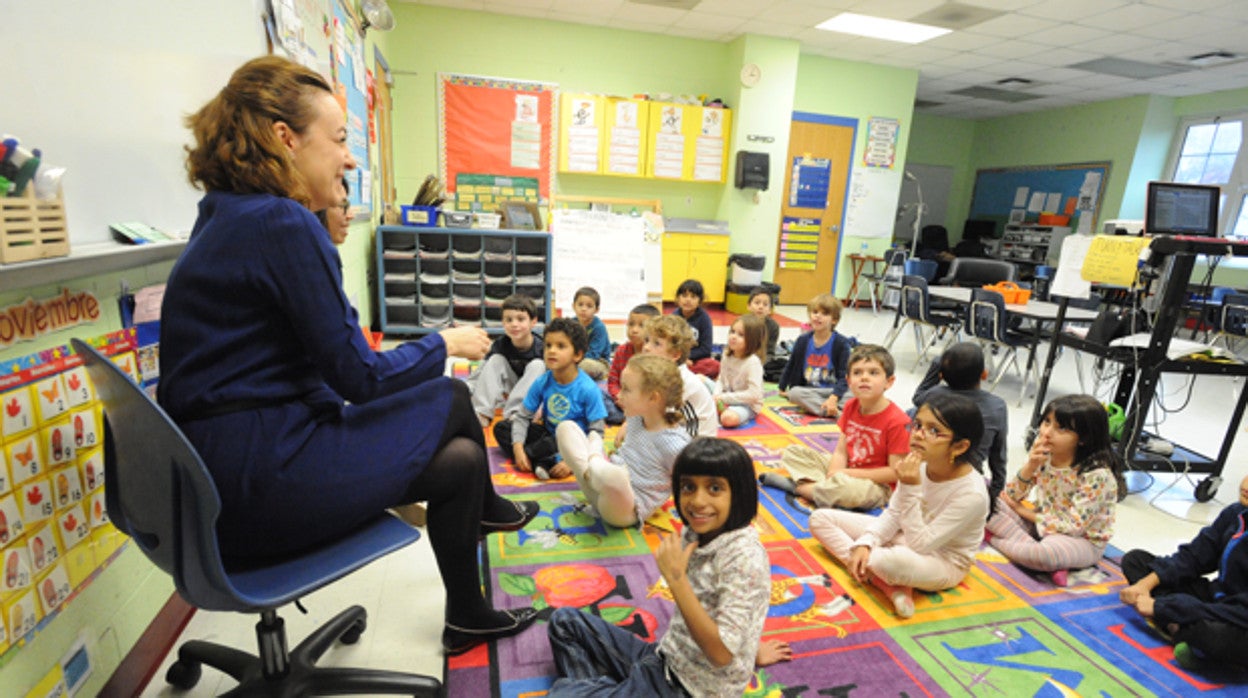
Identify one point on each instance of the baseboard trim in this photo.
(142, 661)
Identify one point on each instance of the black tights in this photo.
(455, 483)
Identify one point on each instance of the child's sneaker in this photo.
(1061, 578)
(903, 604)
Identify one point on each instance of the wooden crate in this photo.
(32, 228)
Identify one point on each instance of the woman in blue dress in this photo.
(308, 433)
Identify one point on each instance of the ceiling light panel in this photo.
(880, 28)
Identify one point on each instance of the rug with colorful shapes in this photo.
(1003, 632)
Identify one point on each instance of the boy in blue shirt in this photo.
(814, 377)
(598, 354)
(563, 392)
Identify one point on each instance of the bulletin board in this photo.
(1006, 195)
(325, 36)
(496, 126)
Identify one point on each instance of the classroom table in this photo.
(857, 262)
(1038, 311)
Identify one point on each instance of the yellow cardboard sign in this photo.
(1113, 259)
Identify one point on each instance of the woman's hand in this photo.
(858, 563)
(672, 559)
(908, 469)
(466, 342)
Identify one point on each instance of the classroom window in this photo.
(1209, 153)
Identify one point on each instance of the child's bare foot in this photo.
(903, 602)
(773, 652)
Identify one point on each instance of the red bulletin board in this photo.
(494, 126)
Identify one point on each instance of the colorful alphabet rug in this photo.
(1002, 632)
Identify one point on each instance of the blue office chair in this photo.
(987, 321)
(160, 494)
(914, 310)
(925, 268)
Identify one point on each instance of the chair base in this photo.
(278, 673)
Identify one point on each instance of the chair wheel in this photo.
(183, 675)
(352, 635)
(1207, 489)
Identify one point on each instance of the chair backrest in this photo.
(925, 268)
(157, 489)
(914, 298)
(895, 257)
(934, 238)
(1235, 314)
(979, 272)
(985, 316)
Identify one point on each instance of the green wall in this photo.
(593, 59)
(941, 140)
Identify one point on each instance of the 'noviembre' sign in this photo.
(31, 318)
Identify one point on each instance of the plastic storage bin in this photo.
(422, 216)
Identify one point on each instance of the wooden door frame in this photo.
(826, 120)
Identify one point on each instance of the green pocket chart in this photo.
(799, 242)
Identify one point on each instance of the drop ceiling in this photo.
(1041, 53)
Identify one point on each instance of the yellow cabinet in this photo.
(695, 256)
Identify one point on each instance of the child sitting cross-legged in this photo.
(1073, 476)
(934, 523)
(637, 479)
(873, 437)
(719, 577)
(511, 366)
(564, 392)
(689, 297)
(739, 390)
(585, 304)
(814, 377)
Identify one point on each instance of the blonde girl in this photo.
(739, 390)
(934, 523)
(635, 481)
(1073, 477)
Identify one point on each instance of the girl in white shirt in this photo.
(637, 479)
(739, 392)
(934, 523)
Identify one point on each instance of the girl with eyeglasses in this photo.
(1073, 478)
(934, 523)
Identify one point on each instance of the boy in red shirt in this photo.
(637, 318)
(874, 437)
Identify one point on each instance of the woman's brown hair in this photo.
(236, 149)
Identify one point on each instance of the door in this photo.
(821, 149)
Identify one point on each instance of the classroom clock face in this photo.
(750, 74)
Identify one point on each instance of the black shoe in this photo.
(778, 481)
(457, 640)
(526, 510)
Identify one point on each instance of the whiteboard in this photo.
(602, 250)
(872, 206)
(102, 89)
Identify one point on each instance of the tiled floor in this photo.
(403, 593)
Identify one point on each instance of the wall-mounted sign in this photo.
(29, 319)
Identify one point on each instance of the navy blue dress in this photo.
(260, 354)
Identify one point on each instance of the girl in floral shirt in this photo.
(1073, 478)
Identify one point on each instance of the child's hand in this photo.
(773, 652)
(521, 460)
(908, 469)
(831, 406)
(1132, 594)
(560, 470)
(672, 560)
(858, 564)
(1145, 606)
(1036, 457)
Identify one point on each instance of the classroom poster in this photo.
(496, 126)
(881, 150)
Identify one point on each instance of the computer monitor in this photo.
(1182, 209)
